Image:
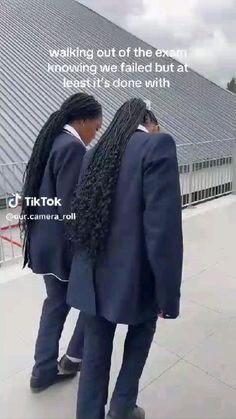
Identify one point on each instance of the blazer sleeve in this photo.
(163, 222)
(69, 163)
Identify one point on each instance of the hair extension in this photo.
(93, 200)
(79, 106)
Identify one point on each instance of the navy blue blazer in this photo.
(139, 273)
(48, 249)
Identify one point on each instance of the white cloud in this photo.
(216, 59)
(206, 28)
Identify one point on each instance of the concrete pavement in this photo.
(191, 370)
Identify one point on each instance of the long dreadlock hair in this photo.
(93, 199)
(79, 106)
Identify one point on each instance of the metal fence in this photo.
(207, 171)
(11, 178)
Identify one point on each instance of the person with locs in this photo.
(149, 123)
(52, 172)
(128, 252)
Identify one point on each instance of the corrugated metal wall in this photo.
(193, 110)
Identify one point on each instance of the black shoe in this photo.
(37, 385)
(65, 366)
(136, 413)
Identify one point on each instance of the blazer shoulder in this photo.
(161, 138)
(160, 144)
(74, 146)
(65, 141)
(69, 142)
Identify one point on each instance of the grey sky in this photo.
(206, 28)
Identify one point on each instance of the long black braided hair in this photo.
(93, 199)
(79, 106)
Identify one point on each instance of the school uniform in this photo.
(142, 128)
(48, 252)
(135, 278)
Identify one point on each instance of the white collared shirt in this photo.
(72, 131)
(143, 128)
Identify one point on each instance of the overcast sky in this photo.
(206, 28)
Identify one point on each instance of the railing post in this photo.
(191, 176)
(234, 168)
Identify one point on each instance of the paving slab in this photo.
(186, 392)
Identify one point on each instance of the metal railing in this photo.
(11, 178)
(207, 171)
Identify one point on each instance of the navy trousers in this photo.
(94, 377)
(53, 317)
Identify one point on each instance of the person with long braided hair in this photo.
(128, 252)
(52, 172)
(150, 123)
